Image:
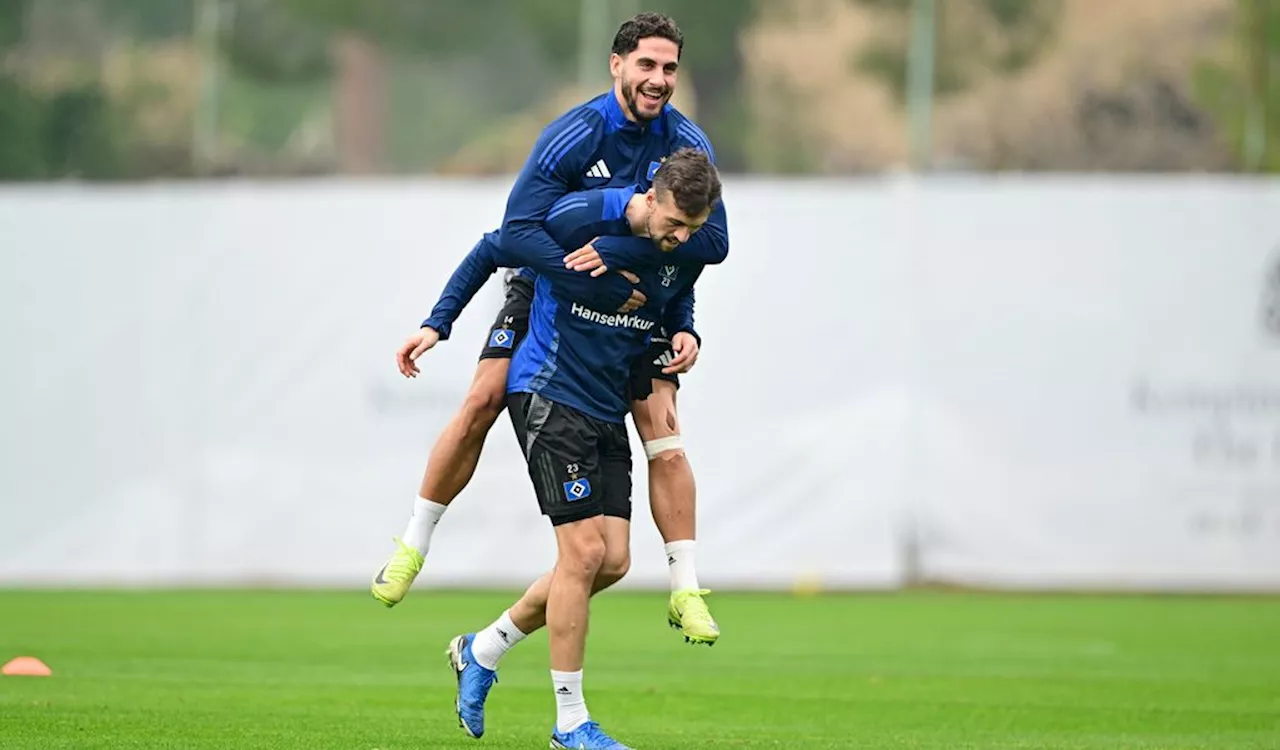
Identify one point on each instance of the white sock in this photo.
(491, 643)
(684, 574)
(571, 707)
(426, 515)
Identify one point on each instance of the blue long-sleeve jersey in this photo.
(578, 218)
(575, 353)
(578, 355)
(593, 145)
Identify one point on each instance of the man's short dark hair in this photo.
(644, 26)
(692, 180)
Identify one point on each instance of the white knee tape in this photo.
(662, 445)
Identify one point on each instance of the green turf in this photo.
(317, 670)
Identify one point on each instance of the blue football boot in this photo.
(589, 736)
(474, 682)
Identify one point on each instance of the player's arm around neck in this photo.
(558, 157)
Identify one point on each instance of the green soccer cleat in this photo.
(688, 613)
(393, 581)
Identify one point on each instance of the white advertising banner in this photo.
(1035, 383)
(1098, 384)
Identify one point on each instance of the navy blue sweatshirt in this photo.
(578, 218)
(593, 145)
(576, 354)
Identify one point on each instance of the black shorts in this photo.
(580, 466)
(512, 322)
(648, 367)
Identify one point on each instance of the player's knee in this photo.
(667, 449)
(614, 567)
(482, 406)
(581, 554)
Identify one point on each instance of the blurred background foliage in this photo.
(137, 89)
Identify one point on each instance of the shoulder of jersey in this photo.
(686, 133)
(590, 113)
(582, 124)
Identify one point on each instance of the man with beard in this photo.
(617, 139)
(569, 393)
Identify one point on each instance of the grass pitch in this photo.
(312, 670)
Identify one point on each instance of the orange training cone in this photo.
(26, 665)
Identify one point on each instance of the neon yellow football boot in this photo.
(394, 579)
(688, 613)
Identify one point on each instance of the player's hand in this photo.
(586, 258)
(637, 297)
(413, 347)
(686, 348)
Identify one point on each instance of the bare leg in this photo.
(673, 501)
(561, 600)
(672, 491)
(452, 463)
(581, 553)
(530, 612)
(456, 452)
